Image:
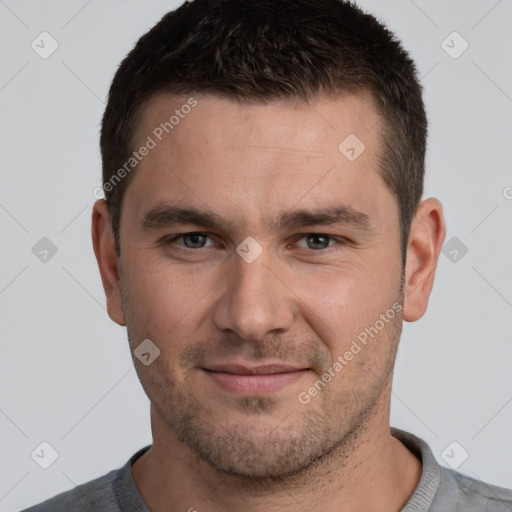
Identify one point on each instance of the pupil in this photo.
(195, 239)
(313, 239)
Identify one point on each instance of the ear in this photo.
(106, 255)
(425, 242)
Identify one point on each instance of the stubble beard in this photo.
(262, 453)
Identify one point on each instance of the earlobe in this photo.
(106, 256)
(425, 242)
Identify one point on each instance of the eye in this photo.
(194, 240)
(317, 241)
(198, 240)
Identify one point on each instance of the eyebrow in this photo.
(167, 214)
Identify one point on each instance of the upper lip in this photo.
(254, 370)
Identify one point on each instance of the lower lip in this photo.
(255, 384)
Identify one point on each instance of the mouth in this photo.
(254, 380)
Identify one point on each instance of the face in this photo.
(263, 262)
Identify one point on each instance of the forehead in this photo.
(323, 119)
(231, 156)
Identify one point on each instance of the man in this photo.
(263, 238)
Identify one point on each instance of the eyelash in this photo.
(340, 241)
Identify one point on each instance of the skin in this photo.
(301, 302)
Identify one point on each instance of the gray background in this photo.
(66, 375)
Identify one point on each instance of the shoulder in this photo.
(442, 489)
(471, 494)
(97, 494)
(113, 492)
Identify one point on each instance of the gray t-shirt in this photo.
(439, 490)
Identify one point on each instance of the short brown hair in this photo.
(262, 50)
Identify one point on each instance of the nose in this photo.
(255, 300)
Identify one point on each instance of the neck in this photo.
(372, 471)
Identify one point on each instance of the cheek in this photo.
(166, 307)
(164, 299)
(343, 302)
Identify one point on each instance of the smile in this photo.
(254, 381)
